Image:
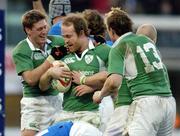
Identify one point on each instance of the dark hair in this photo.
(119, 21)
(95, 22)
(31, 17)
(77, 21)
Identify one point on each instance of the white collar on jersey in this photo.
(120, 38)
(90, 46)
(34, 48)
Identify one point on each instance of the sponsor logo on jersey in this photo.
(88, 73)
(69, 60)
(88, 59)
(38, 56)
(33, 125)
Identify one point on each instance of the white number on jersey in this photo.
(148, 66)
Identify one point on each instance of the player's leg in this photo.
(145, 115)
(167, 125)
(116, 124)
(106, 110)
(27, 132)
(34, 113)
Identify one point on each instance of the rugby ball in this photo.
(61, 84)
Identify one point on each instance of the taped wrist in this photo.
(82, 79)
(50, 59)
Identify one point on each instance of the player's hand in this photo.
(78, 78)
(97, 97)
(58, 63)
(57, 72)
(83, 89)
(58, 52)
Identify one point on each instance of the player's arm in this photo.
(83, 89)
(45, 80)
(37, 4)
(95, 81)
(111, 85)
(32, 76)
(55, 72)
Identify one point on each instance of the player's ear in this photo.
(81, 33)
(113, 32)
(27, 30)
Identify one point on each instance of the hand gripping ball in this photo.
(61, 84)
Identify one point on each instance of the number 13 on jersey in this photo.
(150, 63)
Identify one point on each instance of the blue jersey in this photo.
(108, 42)
(59, 129)
(55, 29)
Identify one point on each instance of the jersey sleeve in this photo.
(56, 40)
(116, 60)
(22, 62)
(103, 52)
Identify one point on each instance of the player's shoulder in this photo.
(102, 51)
(56, 39)
(125, 41)
(56, 26)
(102, 47)
(22, 47)
(55, 29)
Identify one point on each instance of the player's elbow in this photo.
(113, 85)
(115, 81)
(31, 82)
(42, 87)
(29, 78)
(102, 77)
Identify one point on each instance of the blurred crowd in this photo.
(165, 7)
(149, 6)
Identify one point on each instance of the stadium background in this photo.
(164, 14)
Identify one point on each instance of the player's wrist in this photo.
(100, 96)
(83, 79)
(50, 59)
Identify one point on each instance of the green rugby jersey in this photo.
(27, 57)
(92, 61)
(136, 58)
(124, 95)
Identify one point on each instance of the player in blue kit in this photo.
(69, 128)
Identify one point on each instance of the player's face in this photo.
(38, 33)
(72, 40)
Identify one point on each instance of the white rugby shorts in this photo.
(37, 113)
(116, 124)
(151, 116)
